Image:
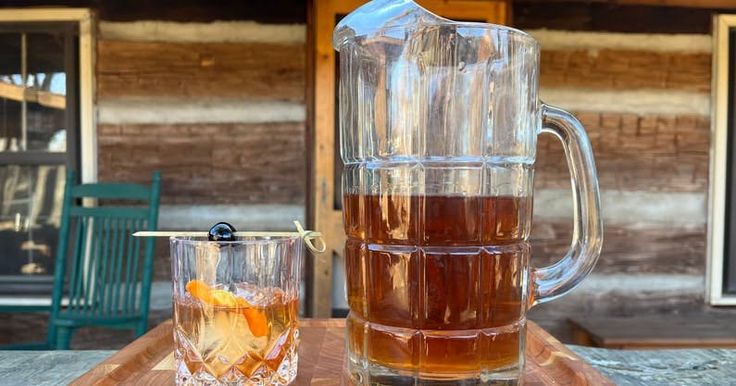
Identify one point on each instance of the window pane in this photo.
(10, 89)
(30, 211)
(46, 128)
(32, 92)
(46, 115)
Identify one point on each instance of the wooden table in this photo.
(702, 330)
(150, 359)
(625, 368)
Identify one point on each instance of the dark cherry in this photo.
(221, 231)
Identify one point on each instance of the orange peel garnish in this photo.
(257, 321)
(200, 290)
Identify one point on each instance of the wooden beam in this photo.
(576, 15)
(636, 248)
(654, 153)
(626, 70)
(49, 99)
(258, 71)
(717, 4)
(204, 163)
(43, 98)
(272, 11)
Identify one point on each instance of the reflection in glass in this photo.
(35, 114)
(32, 92)
(30, 212)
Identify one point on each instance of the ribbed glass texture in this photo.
(438, 132)
(235, 310)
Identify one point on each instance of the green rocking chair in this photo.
(103, 275)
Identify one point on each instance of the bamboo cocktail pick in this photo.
(309, 237)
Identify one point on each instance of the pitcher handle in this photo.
(587, 237)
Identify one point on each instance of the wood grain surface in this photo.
(205, 163)
(149, 360)
(649, 153)
(625, 69)
(664, 367)
(259, 71)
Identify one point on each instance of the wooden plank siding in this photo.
(626, 69)
(655, 153)
(630, 249)
(597, 16)
(652, 152)
(259, 71)
(256, 163)
(209, 163)
(272, 11)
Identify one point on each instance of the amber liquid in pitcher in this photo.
(437, 284)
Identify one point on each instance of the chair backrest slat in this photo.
(93, 264)
(76, 276)
(132, 289)
(108, 269)
(112, 191)
(115, 301)
(110, 273)
(101, 258)
(107, 212)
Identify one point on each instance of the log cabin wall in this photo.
(219, 108)
(641, 87)
(213, 96)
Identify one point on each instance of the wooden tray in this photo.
(150, 359)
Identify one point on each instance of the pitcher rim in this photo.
(523, 36)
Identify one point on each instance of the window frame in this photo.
(41, 157)
(87, 140)
(721, 249)
(82, 133)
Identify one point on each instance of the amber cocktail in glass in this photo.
(235, 310)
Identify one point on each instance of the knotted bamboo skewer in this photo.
(309, 237)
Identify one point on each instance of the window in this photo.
(45, 122)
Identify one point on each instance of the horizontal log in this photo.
(209, 163)
(270, 71)
(597, 16)
(719, 4)
(272, 11)
(626, 69)
(43, 98)
(713, 4)
(653, 153)
(622, 295)
(260, 71)
(629, 249)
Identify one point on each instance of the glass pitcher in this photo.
(438, 133)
